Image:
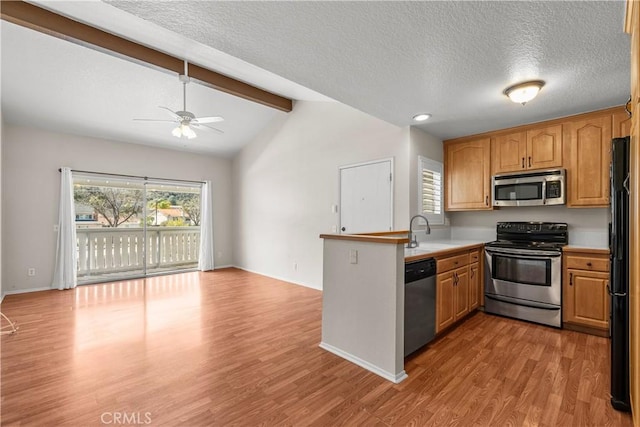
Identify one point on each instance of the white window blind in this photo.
(430, 190)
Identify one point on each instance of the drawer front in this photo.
(448, 263)
(474, 255)
(590, 263)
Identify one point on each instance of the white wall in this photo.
(285, 182)
(2, 128)
(31, 188)
(423, 144)
(587, 227)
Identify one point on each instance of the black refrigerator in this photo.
(619, 280)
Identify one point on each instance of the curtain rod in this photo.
(146, 178)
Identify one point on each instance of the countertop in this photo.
(437, 248)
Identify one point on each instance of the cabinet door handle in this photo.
(523, 163)
(473, 272)
(570, 279)
(455, 279)
(529, 161)
(486, 200)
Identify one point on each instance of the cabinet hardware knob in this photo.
(473, 270)
(588, 264)
(570, 279)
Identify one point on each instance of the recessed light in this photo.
(421, 117)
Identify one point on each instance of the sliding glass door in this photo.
(133, 227)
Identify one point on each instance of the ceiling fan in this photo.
(186, 119)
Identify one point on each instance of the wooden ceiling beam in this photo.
(39, 19)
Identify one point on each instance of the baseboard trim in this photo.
(394, 378)
(306, 285)
(218, 267)
(25, 291)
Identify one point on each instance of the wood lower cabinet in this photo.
(445, 301)
(458, 287)
(589, 154)
(474, 286)
(585, 304)
(468, 175)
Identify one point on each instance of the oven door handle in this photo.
(525, 253)
(523, 303)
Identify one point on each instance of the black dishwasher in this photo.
(419, 304)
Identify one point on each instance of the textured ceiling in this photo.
(389, 59)
(395, 59)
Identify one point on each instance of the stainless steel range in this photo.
(523, 274)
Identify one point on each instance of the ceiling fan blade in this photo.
(201, 120)
(154, 120)
(172, 113)
(212, 128)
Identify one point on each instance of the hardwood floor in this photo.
(234, 348)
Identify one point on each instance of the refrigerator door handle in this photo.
(625, 184)
(616, 294)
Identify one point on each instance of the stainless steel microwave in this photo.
(534, 188)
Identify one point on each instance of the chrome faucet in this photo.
(413, 242)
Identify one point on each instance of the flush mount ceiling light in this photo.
(524, 92)
(421, 117)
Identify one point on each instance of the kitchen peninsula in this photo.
(363, 296)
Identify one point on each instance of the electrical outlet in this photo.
(31, 272)
(353, 256)
(334, 228)
(295, 266)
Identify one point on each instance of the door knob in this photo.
(343, 229)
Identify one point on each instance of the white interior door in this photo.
(366, 197)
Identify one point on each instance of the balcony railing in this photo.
(103, 251)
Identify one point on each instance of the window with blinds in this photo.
(430, 190)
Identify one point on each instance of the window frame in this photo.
(436, 167)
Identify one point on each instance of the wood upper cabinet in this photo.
(585, 296)
(509, 152)
(589, 153)
(544, 147)
(467, 175)
(538, 148)
(621, 124)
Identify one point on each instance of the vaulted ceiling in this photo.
(389, 59)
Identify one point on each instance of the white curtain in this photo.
(65, 275)
(205, 261)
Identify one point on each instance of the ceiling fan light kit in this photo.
(524, 92)
(186, 119)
